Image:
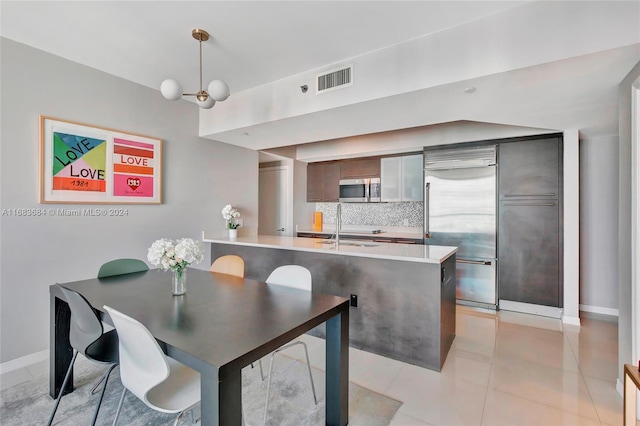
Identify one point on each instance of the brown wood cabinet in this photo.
(323, 181)
(360, 168)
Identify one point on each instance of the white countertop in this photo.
(393, 251)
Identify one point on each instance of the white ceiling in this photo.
(254, 43)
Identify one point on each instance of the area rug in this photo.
(291, 401)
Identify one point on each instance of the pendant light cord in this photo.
(200, 64)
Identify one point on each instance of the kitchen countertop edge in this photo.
(391, 251)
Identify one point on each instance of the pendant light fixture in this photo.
(218, 90)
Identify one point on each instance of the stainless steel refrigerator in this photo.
(460, 210)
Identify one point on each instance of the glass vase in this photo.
(179, 282)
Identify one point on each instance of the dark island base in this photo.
(406, 310)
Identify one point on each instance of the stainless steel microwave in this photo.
(360, 190)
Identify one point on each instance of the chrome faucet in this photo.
(338, 223)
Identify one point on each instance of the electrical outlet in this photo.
(240, 222)
(405, 222)
(354, 300)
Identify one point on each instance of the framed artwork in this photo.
(85, 164)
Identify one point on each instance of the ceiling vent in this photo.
(334, 79)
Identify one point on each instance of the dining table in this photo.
(222, 324)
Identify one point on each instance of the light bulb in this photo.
(218, 90)
(171, 89)
(207, 103)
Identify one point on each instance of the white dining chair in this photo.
(159, 381)
(292, 276)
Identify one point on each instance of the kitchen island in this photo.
(405, 293)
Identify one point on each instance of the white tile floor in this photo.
(503, 369)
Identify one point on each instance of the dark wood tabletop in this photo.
(222, 324)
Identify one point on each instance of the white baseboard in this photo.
(599, 310)
(24, 361)
(620, 388)
(528, 308)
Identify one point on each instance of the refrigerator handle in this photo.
(474, 262)
(427, 185)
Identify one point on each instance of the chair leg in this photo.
(98, 383)
(193, 417)
(175, 423)
(124, 391)
(104, 388)
(266, 403)
(261, 372)
(313, 388)
(64, 386)
(93, 389)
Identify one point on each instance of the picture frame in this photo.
(86, 164)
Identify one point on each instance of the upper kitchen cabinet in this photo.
(360, 168)
(323, 181)
(530, 169)
(401, 178)
(412, 178)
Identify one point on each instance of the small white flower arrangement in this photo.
(230, 214)
(175, 255)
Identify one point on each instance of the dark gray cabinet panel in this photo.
(529, 169)
(529, 221)
(447, 305)
(529, 252)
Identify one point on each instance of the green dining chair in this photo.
(121, 266)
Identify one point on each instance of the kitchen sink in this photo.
(349, 243)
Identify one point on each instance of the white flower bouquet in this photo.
(175, 255)
(230, 214)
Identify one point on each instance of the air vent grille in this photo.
(459, 158)
(334, 79)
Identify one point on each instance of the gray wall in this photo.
(37, 252)
(599, 223)
(624, 223)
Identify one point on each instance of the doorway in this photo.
(273, 201)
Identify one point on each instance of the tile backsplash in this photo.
(374, 214)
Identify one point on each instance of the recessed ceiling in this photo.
(252, 42)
